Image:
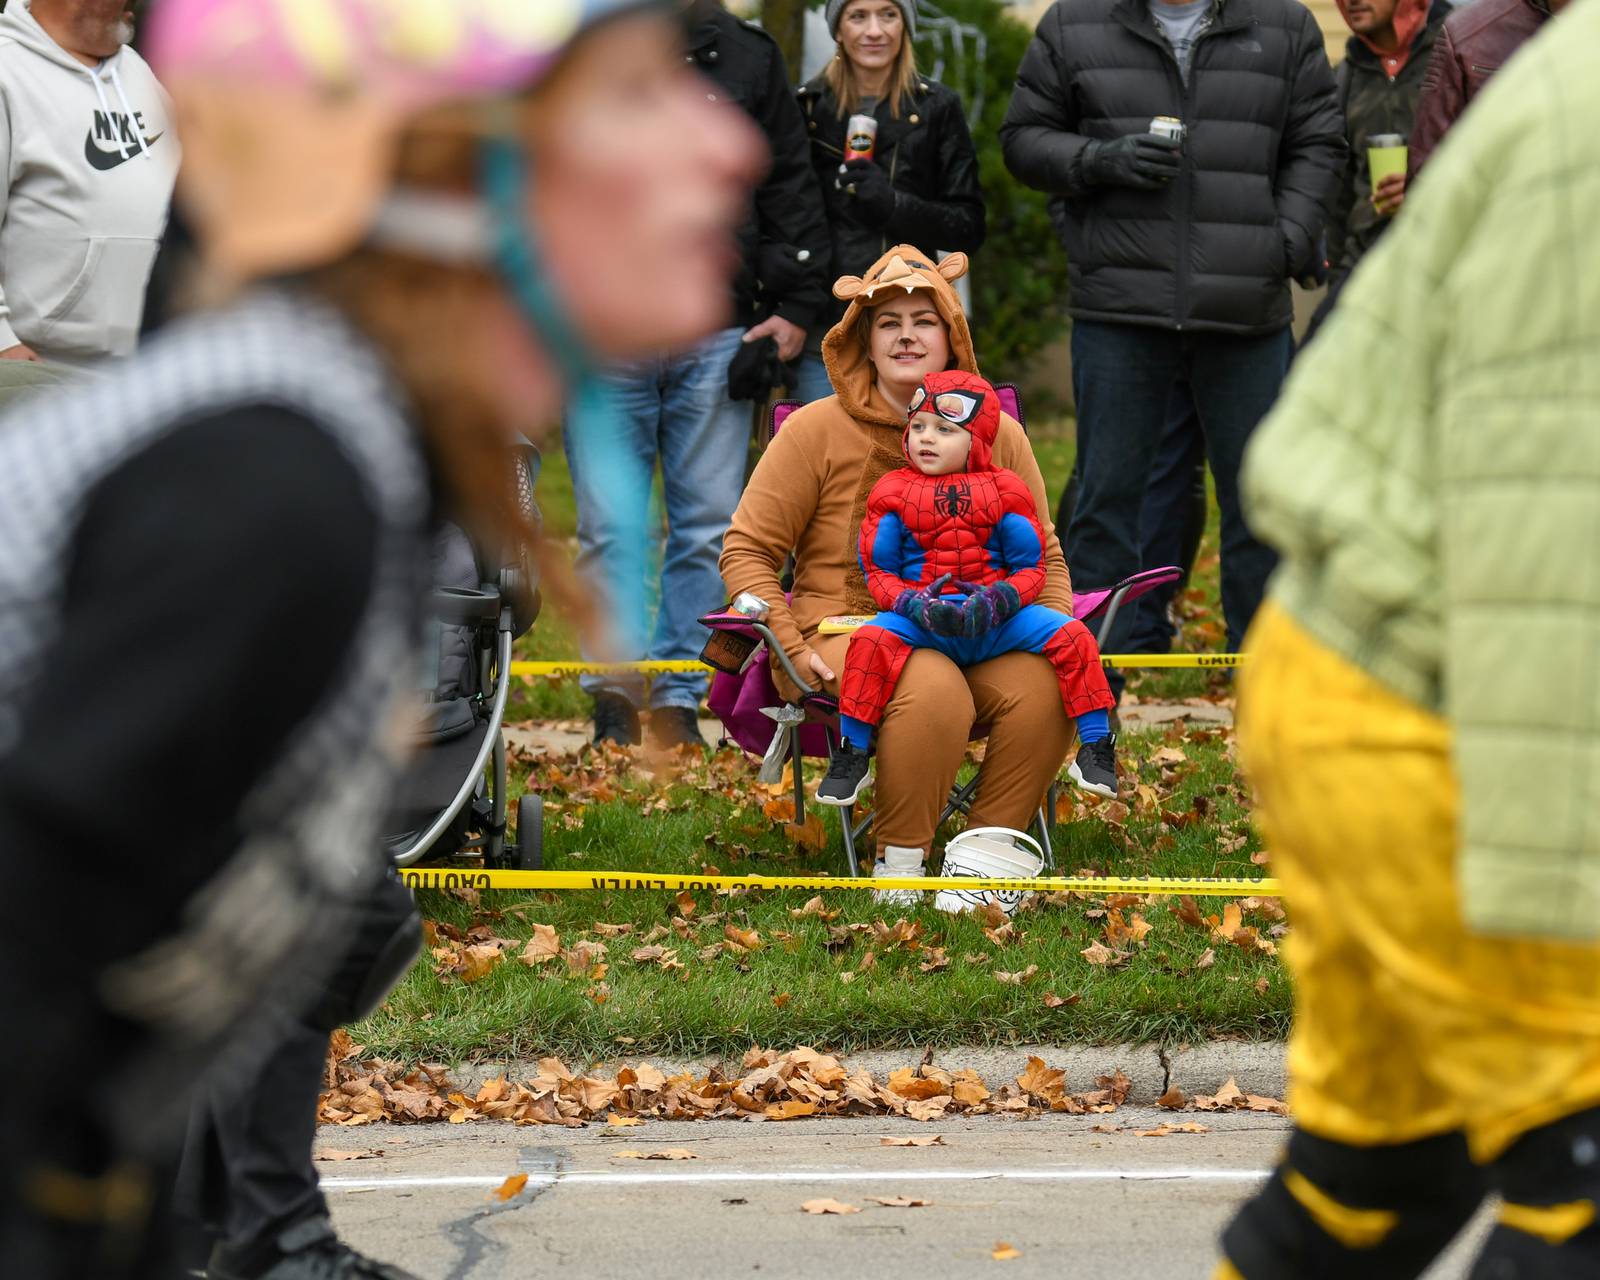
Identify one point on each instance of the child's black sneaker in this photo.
(847, 774)
(1095, 769)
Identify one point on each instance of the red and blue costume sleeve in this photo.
(1016, 544)
(891, 558)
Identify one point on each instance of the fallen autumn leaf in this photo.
(1099, 953)
(828, 1206)
(510, 1188)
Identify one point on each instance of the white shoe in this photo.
(898, 862)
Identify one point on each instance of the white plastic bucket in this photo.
(989, 853)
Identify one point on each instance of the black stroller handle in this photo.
(463, 608)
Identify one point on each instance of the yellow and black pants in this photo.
(1428, 1065)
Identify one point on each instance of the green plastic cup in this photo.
(1386, 154)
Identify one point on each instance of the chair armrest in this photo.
(799, 681)
(728, 622)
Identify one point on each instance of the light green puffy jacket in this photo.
(1432, 478)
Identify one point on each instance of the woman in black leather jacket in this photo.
(921, 185)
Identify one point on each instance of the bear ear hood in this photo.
(904, 269)
(972, 404)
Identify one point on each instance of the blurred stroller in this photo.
(452, 799)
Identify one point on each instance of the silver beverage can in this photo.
(751, 606)
(1169, 127)
(860, 138)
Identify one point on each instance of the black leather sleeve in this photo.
(957, 219)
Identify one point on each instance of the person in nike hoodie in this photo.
(88, 158)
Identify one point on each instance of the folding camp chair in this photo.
(758, 718)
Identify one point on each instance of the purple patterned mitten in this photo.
(928, 610)
(988, 607)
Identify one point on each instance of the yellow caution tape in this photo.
(1198, 886)
(573, 667)
(1172, 660)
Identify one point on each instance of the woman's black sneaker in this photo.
(673, 727)
(615, 720)
(847, 774)
(1095, 769)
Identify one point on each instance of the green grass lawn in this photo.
(848, 980)
(815, 981)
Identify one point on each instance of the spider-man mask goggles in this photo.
(959, 407)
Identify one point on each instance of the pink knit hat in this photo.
(289, 110)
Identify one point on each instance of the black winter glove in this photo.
(866, 181)
(1139, 160)
(755, 370)
(1308, 268)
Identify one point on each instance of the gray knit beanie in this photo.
(835, 10)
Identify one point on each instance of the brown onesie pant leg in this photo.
(1018, 697)
(921, 743)
(923, 740)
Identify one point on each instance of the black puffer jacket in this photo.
(1373, 103)
(1215, 249)
(932, 165)
(784, 244)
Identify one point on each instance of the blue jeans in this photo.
(812, 383)
(1172, 519)
(1123, 378)
(677, 410)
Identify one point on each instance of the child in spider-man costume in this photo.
(953, 554)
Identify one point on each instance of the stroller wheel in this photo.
(530, 833)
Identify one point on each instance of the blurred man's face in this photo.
(642, 175)
(93, 28)
(1371, 17)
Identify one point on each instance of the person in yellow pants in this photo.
(1420, 716)
(1421, 1051)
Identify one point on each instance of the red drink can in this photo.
(860, 138)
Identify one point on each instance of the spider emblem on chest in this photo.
(953, 499)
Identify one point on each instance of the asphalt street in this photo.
(1075, 1197)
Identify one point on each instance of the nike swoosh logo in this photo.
(105, 161)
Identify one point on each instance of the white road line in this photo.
(613, 1178)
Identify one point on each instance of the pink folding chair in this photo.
(758, 718)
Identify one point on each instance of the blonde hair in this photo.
(840, 78)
